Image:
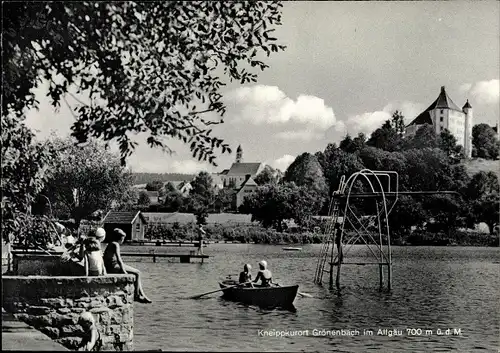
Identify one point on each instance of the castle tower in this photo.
(467, 109)
(239, 154)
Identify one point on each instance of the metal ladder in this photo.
(329, 244)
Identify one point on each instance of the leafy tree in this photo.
(445, 210)
(129, 201)
(305, 170)
(203, 186)
(268, 175)
(143, 200)
(224, 199)
(86, 179)
(407, 213)
(199, 207)
(485, 209)
(425, 137)
(346, 144)
(427, 169)
(174, 201)
(202, 196)
(398, 123)
(155, 185)
(169, 187)
(485, 142)
(448, 143)
(377, 159)
(272, 204)
(149, 67)
(336, 163)
(481, 184)
(385, 138)
(350, 145)
(25, 165)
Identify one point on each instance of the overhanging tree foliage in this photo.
(86, 179)
(25, 166)
(148, 67)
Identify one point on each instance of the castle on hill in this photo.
(442, 114)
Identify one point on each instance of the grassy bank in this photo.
(250, 233)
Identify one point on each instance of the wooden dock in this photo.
(184, 258)
(165, 243)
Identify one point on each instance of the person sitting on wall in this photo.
(93, 257)
(91, 341)
(114, 263)
(63, 237)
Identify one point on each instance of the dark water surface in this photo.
(456, 288)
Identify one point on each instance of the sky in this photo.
(347, 67)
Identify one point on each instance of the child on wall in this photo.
(92, 253)
(91, 340)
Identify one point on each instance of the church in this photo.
(240, 172)
(240, 177)
(442, 114)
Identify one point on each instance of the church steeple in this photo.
(239, 154)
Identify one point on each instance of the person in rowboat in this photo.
(264, 275)
(246, 275)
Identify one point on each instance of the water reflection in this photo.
(432, 288)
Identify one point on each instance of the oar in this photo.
(218, 290)
(304, 295)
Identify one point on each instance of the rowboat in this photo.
(269, 297)
(292, 249)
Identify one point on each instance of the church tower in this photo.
(467, 109)
(239, 154)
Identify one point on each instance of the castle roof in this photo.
(423, 118)
(467, 105)
(443, 101)
(244, 169)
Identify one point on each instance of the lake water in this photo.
(456, 288)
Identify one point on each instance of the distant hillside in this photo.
(144, 178)
(477, 165)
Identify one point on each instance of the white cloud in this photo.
(187, 167)
(262, 104)
(370, 121)
(299, 135)
(483, 92)
(283, 162)
(410, 110)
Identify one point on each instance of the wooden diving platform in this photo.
(165, 243)
(184, 258)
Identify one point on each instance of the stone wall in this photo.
(40, 264)
(53, 305)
